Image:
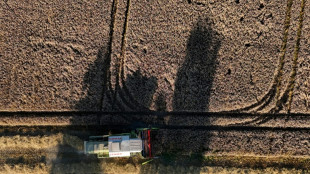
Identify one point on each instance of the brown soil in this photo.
(174, 56)
(187, 56)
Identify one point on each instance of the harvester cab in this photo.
(138, 141)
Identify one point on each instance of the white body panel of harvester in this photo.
(117, 146)
(121, 145)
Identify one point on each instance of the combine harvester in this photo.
(136, 142)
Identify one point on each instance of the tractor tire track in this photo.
(275, 88)
(285, 99)
(121, 88)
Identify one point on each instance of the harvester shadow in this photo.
(99, 97)
(96, 78)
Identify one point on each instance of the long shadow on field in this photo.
(192, 93)
(195, 77)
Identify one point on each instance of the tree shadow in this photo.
(96, 83)
(195, 77)
(192, 94)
